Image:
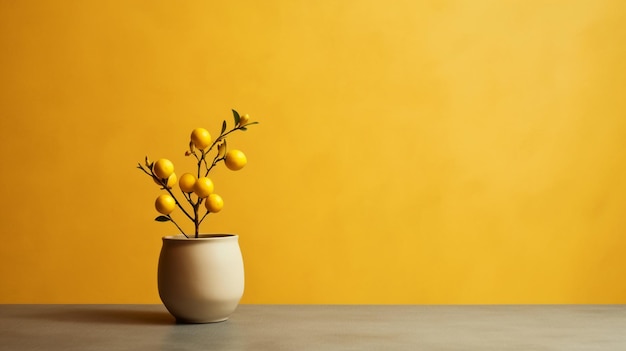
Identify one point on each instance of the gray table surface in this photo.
(317, 327)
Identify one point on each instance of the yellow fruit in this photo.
(163, 168)
(203, 187)
(244, 119)
(201, 138)
(235, 160)
(171, 181)
(186, 182)
(165, 204)
(214, 203)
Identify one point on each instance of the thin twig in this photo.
(177, 226)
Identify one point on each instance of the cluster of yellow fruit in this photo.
(162, 172)
(189, 183)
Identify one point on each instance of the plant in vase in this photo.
(197, 188)
(200, 276)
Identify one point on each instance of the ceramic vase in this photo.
(201, 280)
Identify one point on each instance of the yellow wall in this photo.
(408, 151)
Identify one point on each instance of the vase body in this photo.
(201, 280)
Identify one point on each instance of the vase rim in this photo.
(220, 236)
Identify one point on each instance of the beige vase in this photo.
(201, 280)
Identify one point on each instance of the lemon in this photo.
(203, 187)
(163, 168)
(235, 160)
(201, 138)
(214, 203)
(165, 204)
(171, 181)
(186, 182)
(243, 120)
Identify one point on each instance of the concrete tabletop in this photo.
(317, 327)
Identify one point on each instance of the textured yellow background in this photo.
(408, 151)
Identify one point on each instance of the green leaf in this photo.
(243, 128)
(162, 219)
(223, 127)
(237, 117)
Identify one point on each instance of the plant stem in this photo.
(177, 203)
(222, 136)
(215, 161)
(153, 176)
(196, 222)
(177, 226)
(202, 219)
(200, 159)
